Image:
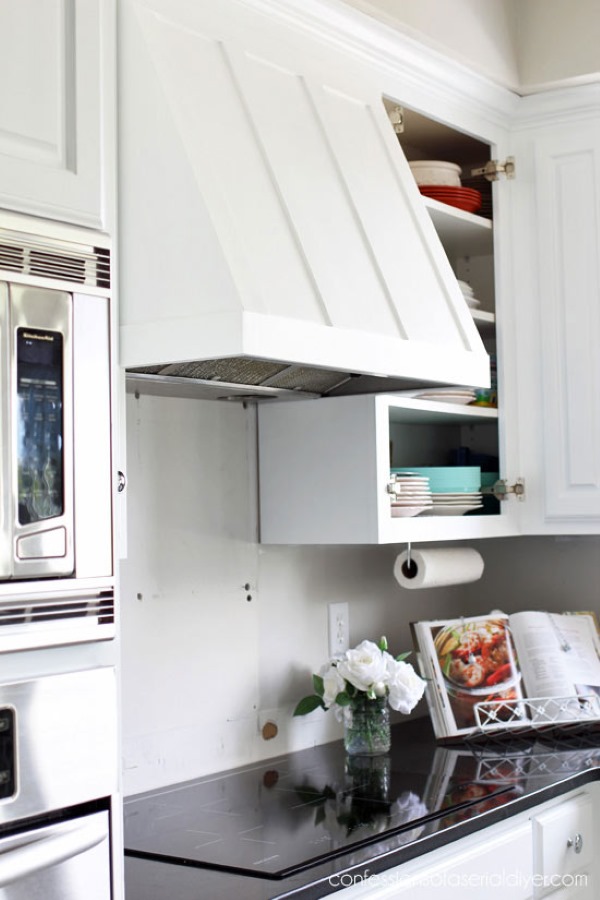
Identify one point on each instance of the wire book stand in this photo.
(537, 712)
(571, 722)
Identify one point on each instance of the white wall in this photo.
(557, 40)
(201, 663)
(521, 44)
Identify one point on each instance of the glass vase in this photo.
(367, 726)
(368, 778)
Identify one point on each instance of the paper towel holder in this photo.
(409, 567)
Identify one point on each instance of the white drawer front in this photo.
(563, 845)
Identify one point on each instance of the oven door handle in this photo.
(59, 844)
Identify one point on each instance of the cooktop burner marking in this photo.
(255, 840)
(215, 806)
(323, 839)
(266, 859)
(210, 837)
(161, 817)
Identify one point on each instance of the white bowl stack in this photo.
(436, 172)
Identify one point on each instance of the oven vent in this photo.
(54, 259)
(34, 621)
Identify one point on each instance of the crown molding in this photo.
(425, 72)
(577, 99)
(403, 57)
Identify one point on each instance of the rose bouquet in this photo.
(364, 805)
(359, 687)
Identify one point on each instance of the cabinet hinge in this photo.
(500, 489)
(396, 117)
(494, 169)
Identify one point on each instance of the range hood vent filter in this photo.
(259, 374)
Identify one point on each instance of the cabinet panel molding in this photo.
(38, 114)
(55, 105)
(568, 196)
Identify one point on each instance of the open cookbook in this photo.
(494, 672)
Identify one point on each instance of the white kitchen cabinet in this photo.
(474, 869)
(325, 468)
(496, 861)
(564, 849)
(556, 286)
(520, 858)
(56, 109)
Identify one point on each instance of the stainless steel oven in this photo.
(55, 431)
(58, 769)
(62, 861)
(56, 471)
(36, 384)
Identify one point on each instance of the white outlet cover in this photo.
(339, 628)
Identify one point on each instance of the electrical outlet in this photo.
(339, 628)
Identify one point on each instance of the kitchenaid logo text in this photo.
(38, 337)
(475, 880)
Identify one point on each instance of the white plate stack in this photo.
(457, 504)
(458, 395)
(410, 495)
(467, 292)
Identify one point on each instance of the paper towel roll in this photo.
(438, 567)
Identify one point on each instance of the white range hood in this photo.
(269, 223)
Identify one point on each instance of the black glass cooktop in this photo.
(289, 814)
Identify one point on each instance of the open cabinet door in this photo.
(291, 196)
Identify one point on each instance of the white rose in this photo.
(407, 807)
(364, 666)
(379, 689)
(333, 683)
(405, 687)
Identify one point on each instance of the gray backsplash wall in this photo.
(550, 573)
(206, 660)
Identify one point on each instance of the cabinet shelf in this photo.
(485, 321)
(458, 229)
(411, 411)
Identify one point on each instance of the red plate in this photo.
(448, 189)
(467, 199)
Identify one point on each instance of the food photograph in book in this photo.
(467, 662)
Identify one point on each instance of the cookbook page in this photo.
(468, 661)
(558, 654)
